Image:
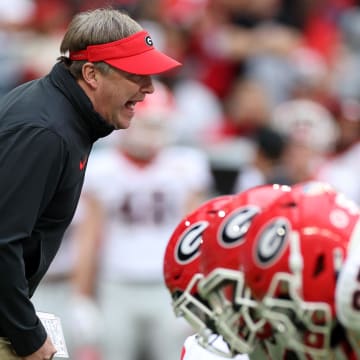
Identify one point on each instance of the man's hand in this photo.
(46, 352)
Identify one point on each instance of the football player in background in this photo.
(347, 297)
(142, 185)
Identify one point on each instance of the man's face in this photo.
(117, 94)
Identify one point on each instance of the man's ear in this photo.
(89, 74)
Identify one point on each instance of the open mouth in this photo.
(130, 105)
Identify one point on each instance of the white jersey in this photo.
(347, 294)
(192, 350)
(143, 205)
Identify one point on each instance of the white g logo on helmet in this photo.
(271, 242)
(236, 227)
(188, 246)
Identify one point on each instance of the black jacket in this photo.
(47, 129)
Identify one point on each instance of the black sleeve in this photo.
(31, 161)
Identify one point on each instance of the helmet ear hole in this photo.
(291, 204)
(319, 265)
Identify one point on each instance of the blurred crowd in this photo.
(269, 92)
(247, 66)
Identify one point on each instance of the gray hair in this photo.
(95, 27)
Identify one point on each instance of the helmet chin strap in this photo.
(296, 261)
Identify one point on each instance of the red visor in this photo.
(135, 54)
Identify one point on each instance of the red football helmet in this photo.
(181, 266)
(223, 283)
(291, 257)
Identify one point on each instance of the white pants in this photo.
(140, 316)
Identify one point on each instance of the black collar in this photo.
(96, 126)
